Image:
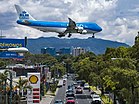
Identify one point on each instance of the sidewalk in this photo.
(47, 99)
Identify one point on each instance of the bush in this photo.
(53, 87)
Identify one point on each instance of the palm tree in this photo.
(3, 82)
(22, 85)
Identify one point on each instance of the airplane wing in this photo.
(72, 24)
(70, 28)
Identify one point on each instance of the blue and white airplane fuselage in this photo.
(59, 27)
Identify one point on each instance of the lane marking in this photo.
(76, 100)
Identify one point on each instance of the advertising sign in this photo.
(10, 55)
(33, 96)
(11, 43)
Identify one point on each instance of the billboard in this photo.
(11, 43)
(10, 55)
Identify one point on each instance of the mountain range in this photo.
(98, 46)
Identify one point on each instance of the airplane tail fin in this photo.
(23, 14)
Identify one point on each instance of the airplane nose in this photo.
(99, 28)
(18, 21)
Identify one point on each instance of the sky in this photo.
(119, 19)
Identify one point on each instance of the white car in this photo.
(96, 99)
(86, 86)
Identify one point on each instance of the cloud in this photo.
(118, 18)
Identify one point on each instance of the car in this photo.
(70, 100)
(65, 76)
(86, 86)
(64, 82)
(70, 87)
(76, 84)
(80, 82)
(69, 90)
(96, 99)
(92, 93)
(70, 94)
(58, 102)
(79, 90)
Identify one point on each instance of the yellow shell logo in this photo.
(33, 79)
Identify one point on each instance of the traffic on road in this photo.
(75, 92)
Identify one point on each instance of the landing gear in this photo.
(69, 35)
(93, 36)
(61, 35)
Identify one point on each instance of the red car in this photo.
(70, 100)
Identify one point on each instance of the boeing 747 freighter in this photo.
(62, 28)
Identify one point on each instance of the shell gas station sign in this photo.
(33, 95)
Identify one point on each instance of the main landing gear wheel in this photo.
(93, 36)
(61, 35)
(69, 35)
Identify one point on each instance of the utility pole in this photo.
(10, 87)
(5, 92)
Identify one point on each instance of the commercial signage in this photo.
(11, 43)
(33, 95)
(10, 55)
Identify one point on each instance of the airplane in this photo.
(62, 28)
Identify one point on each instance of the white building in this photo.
(78, 50)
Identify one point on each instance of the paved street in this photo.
(47, 99)
(79, 98)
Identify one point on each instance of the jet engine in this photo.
(81, 30)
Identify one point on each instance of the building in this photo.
(49, 50)
(65, 50)
(78, 50)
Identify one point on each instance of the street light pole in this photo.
(10, 87)
(5, 92)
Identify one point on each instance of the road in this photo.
(84, 98)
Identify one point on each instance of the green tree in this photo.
(2, 63)
(58, 70)
(3, 78)
(49, 60)
(120, 81)
(120, 52)
(124, 63)
(84, 67)
(90, 55)
(134, 51)
(22, 85)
